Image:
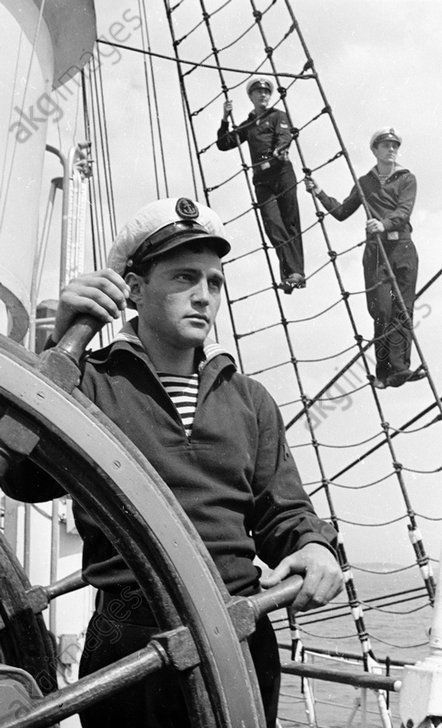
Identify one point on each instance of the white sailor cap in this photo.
(259, 82)
(385, 134)
(161, 226)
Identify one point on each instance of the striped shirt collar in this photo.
(210, 350)
(397, 168)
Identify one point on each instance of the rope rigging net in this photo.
(267, 311)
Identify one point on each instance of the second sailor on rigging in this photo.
(267, 132)
(390, 193)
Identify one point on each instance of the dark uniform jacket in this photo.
(391, 203)
(264, 134)
(235, 478)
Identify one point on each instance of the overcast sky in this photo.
(379, 62)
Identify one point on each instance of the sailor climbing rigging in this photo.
(267, 132)
(390, 191)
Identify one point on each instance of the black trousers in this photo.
(276, 193)
(392, 330)
(157, 701)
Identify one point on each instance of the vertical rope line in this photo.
(98, 205)
(106, 152)
(98, 197)
(101, 137)
(95, 233)
(105, 155)
(155, 96)
(93, 210)
(149, 105)
(189, 143)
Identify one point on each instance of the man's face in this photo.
(386, 151)
(260, 98)
(179, 301)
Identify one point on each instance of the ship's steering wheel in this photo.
(203, 632)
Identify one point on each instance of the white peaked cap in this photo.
(161, 226)
(259, 82)
(387, 133)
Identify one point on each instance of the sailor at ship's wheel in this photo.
(214, 435)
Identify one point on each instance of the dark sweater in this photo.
(391, 203)
(235, 478)
(264, 134)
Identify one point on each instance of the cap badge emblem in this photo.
(186, 209)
